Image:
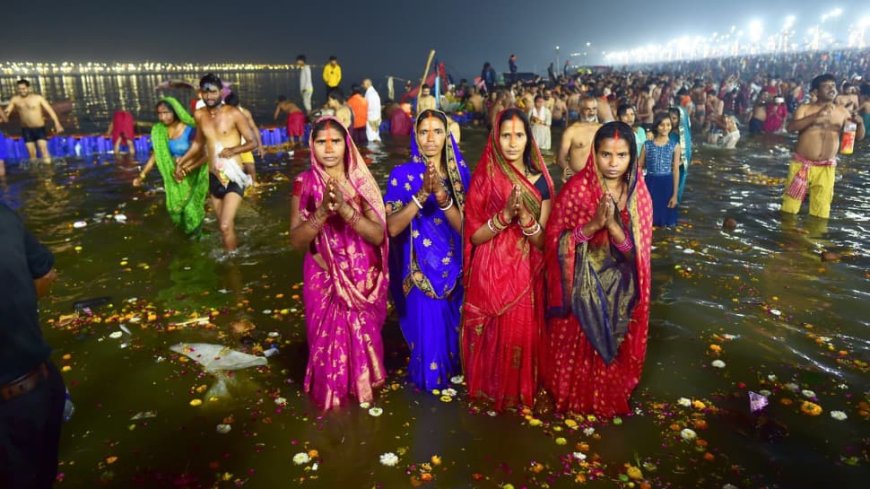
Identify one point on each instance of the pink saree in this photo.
(346, 303)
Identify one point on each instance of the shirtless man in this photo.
(335, 101)
(848, 98)
(814, 165)
(284, 105)
(573, 104)
(699, 98)
(248, 158)
(220, 129)
(474, 104)
(715, 107)
(560, 110)
(646, 104)
(577, 139)
(426, 100)
(605, 111)
(30, 108)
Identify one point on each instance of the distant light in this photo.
(588, 44)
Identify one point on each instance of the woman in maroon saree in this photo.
(598, 280)
(506, 210)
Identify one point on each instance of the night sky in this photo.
(373, 38)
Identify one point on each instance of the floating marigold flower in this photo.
(811, 408)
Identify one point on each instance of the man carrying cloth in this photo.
(815, 160)
(220, 129)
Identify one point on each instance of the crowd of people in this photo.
(529, 292)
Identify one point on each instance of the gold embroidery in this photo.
(427, 242)
(394, 182)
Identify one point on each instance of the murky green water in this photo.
(760, 293)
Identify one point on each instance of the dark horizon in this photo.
(388, 38)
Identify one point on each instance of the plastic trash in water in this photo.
(92, 302)
(218, 357)
(757, 402)
(272, 351)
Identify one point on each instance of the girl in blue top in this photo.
(661, 160)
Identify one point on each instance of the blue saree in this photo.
(683, 136)
(426, 269)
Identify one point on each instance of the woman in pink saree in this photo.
(337, 216)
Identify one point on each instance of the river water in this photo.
(760, 299)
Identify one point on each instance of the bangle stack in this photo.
(579, 236)
(495, 223)
(315, 223)
(532, 230)
(354, 218)
(625, 247)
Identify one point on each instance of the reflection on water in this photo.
(760, 293)
(96, 97)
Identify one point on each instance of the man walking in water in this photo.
(220, 129)
(30, 108)
(577, 139)
(306, 86)
(814, 164)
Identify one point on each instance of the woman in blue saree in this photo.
(424, 201)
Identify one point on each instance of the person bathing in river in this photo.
(295, 118)
(220, 129)
(30, 107)
(122, 130)
(814, 164)
(171, 138)
(247, 157)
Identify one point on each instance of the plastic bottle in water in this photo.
(68, 407)
(847, 146)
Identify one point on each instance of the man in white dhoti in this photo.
(541, 118)
(306, 87)
(373, 128)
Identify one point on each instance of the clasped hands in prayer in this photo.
(433, 184)
(334, 202)
(605, 216)
(516, 208)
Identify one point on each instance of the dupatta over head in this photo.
(358, 283)
(493, 280)
(426, 267)
(605, 290)
(185, 200)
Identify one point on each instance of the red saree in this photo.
(580, 380)
(503, 314)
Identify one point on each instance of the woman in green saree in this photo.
(170, 139)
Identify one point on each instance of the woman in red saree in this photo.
(337, 216)
(506, 210)
(598, 280)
